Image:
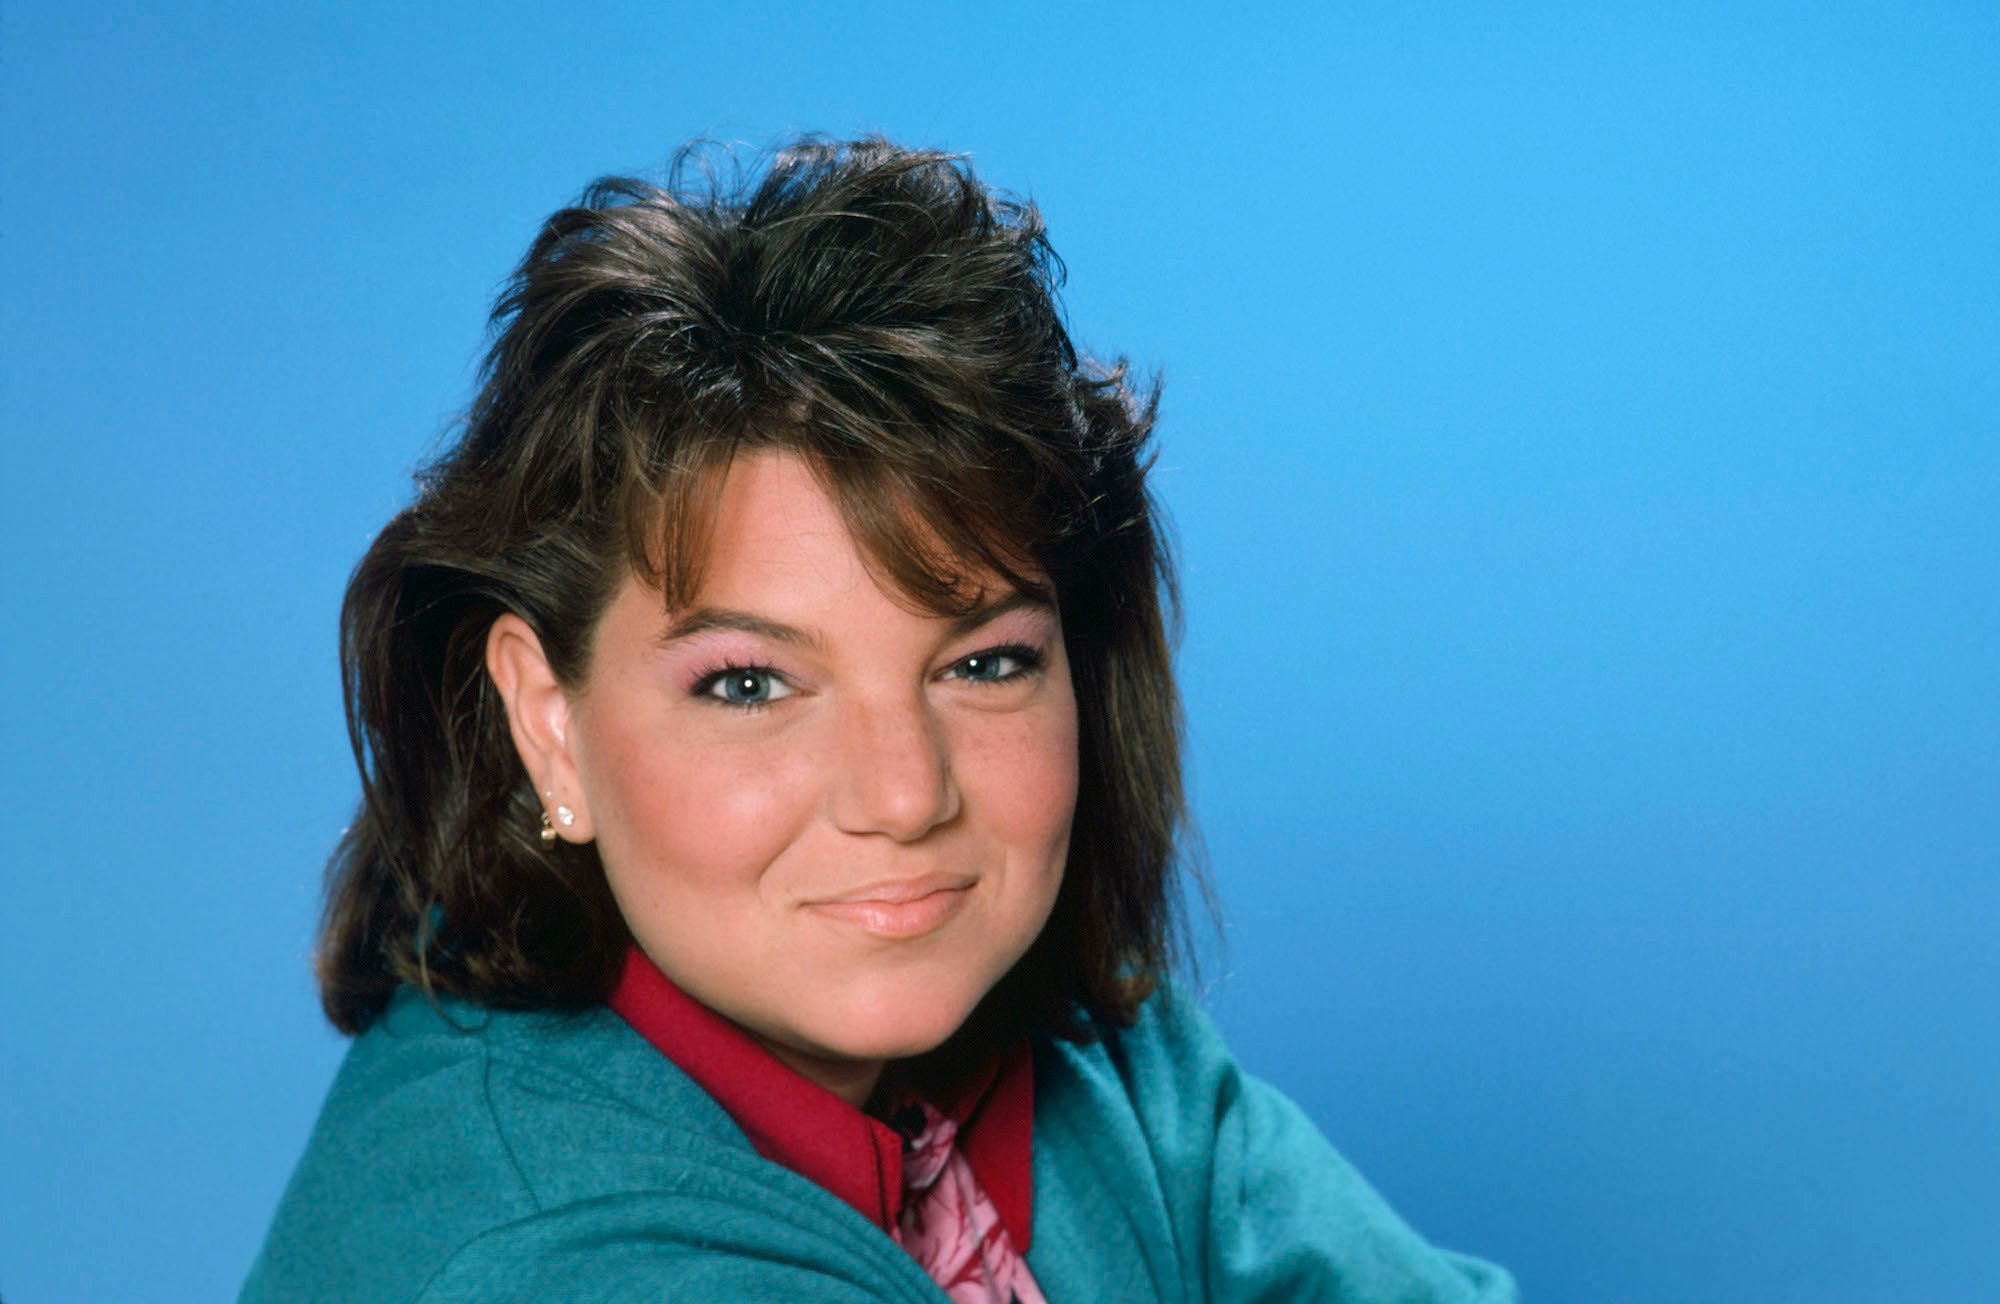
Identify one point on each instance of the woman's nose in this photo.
(894, 771)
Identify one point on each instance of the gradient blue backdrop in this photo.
(1583, 427)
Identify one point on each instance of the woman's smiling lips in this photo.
(898, 908)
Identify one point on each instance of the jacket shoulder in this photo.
(1226, 1190)
(447, 1121)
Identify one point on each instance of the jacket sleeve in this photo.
(1261, 1207)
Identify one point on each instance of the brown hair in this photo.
(883, 315)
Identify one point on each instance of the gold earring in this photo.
(548, 831)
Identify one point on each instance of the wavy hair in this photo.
(881, 314)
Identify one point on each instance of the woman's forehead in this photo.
(707, 619)
(771, 524)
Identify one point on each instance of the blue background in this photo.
(1581, 427)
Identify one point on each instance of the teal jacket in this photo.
(467, 1154)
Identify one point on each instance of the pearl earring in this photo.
(563, 813)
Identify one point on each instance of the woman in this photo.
(770, 792)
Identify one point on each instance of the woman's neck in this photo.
(852, 1080)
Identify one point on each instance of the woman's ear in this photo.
(538, 716)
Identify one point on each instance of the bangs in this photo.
(935, 534)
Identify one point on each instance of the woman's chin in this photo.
(892, 1026)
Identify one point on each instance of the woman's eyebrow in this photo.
(987, 612)
(706, 620)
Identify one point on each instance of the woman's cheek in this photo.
(717, 814)
(1022, 773)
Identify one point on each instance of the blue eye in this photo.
(745, 686)
(998, 665)
(987, 666)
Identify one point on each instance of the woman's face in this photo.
(832, 819)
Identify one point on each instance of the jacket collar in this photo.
(795, 1122)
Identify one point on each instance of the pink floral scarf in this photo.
(948, 1225)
